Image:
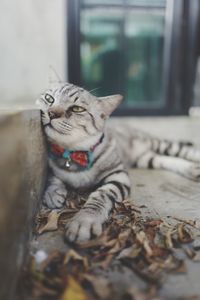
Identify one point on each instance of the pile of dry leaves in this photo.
(148, 248)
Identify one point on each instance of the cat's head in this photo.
(72, 116)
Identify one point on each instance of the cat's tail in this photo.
(180, 157)
(182, 149)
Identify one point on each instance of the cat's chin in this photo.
(71, 140)
(63, 139)
(55, 135)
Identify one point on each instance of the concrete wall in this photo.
(22, 178)
(33, 37)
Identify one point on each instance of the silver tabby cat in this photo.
(86, 153)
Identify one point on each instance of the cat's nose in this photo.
(54, 114)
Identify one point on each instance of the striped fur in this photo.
(121, 148)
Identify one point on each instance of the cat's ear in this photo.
(110, 103)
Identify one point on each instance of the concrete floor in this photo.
(164, 194)
(167, 194)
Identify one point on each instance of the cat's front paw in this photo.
(83, 226)
(55, 196)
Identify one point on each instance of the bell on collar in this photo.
(67, 164)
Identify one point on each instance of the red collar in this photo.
(82, 158)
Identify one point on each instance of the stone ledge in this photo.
(22, 176)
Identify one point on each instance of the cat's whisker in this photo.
(62, 128)
(64, 125)
(95, 89)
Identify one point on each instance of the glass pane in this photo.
(122, 52)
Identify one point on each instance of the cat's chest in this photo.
(76, 179)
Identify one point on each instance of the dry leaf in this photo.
(153, 223)
(183, 234)
(101, 286)
(145, 247)
(119, 242)
(189, 251)
(168, 240)
(130, 252)
(52, 222)
(72, 254)
(142, 239)
(193, 223)
(73, 291)
(93, 243)
(107, 261)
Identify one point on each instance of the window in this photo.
(132, 47)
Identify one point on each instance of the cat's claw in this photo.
(82, 227)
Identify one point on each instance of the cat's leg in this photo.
(55, 194)
(178, 165)
(178, 149)
(88, 221)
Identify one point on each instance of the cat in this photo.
(88, 154)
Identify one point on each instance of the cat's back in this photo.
(125, 134)
(123, 130)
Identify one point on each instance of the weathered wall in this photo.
(22, 176)
(33, 37)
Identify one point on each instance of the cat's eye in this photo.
(77, 109)
(49, 98)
